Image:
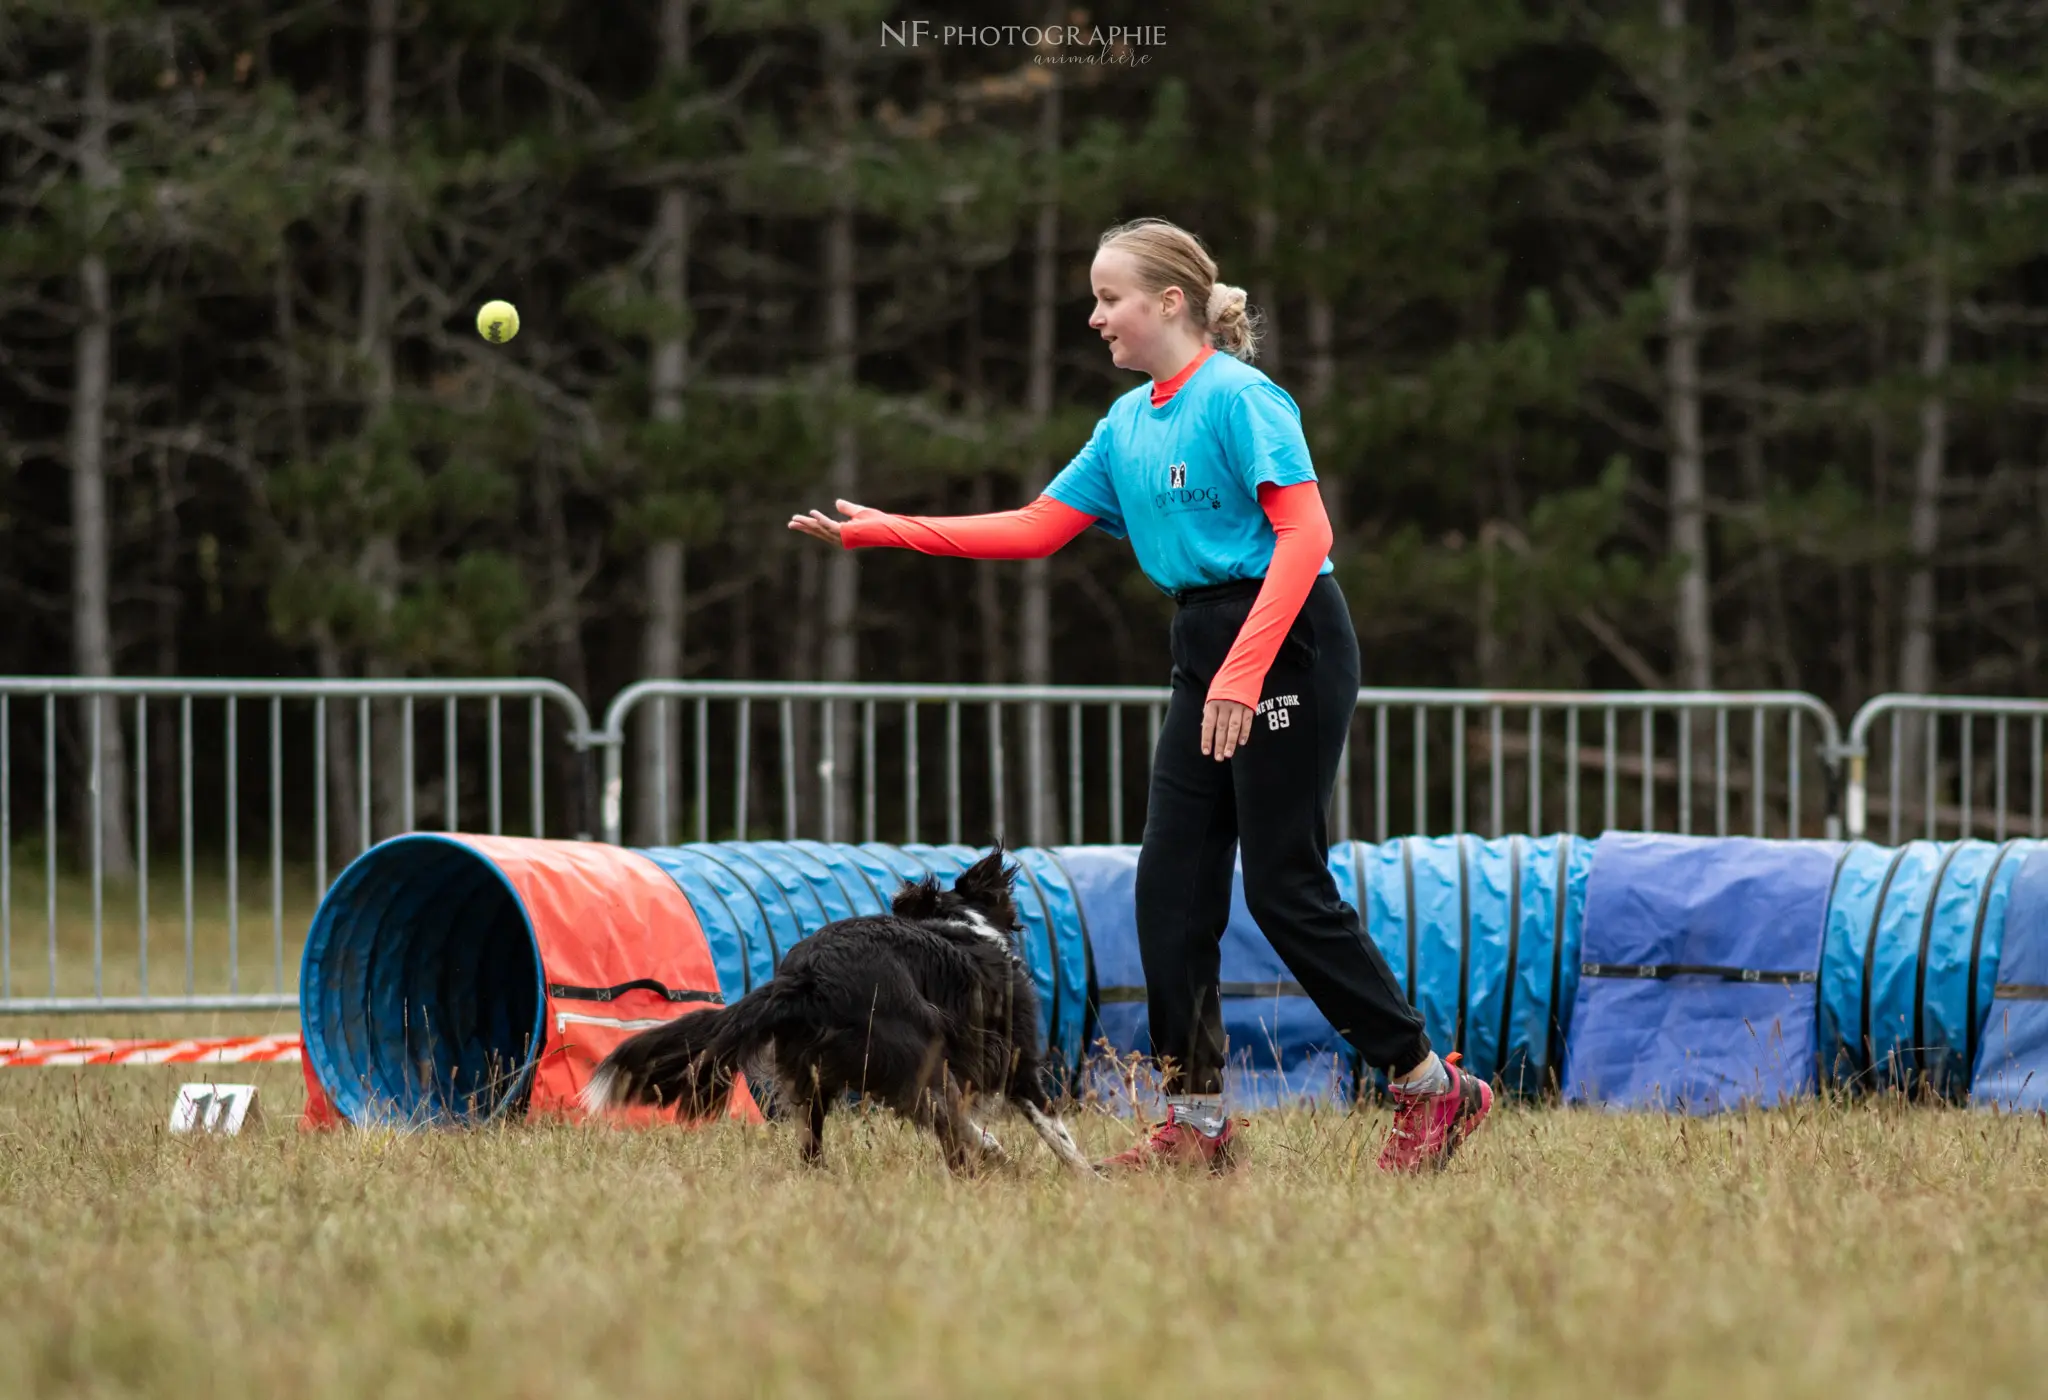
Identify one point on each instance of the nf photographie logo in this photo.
(1056, 43)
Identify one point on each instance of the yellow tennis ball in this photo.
(498, 322)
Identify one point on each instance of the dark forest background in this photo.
(1641, 343)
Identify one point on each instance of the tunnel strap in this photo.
(1054, 1021)
(1507, 996)
(1920, 1047)
(1126, 995)
(1972, 1025)
(561, 992)
(2020, 991)
(1868, 991)
(1458, 1027)
(1554, 1042)
(1091, 1000)
(1660, 971)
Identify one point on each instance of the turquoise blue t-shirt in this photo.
(1182, 482)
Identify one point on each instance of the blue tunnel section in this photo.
(421, 988)
(1910, 965)
(2011, 1065)
(1482, 935)
(1280, 1047)
(756, 899)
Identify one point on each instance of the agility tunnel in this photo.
(1911, 962)
(461, 979)
(1482, 935)
(458, 979)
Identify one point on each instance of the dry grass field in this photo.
(1837, 1249)
(1866, 1250)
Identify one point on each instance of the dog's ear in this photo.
(987, 883)
(918, 899)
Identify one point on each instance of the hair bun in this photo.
(1224, 299)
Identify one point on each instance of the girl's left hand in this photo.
(1226, 728)
(820, 526)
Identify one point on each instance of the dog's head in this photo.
(983, 887)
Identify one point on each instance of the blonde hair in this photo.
(1167, 255)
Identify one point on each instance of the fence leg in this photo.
(1857, 797)
(585, 800)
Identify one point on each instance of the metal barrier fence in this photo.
(1934, 773)
(327, 767)
(874, 762)
(887, 762)
(162, 776)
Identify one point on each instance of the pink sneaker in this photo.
(1428, 1128)
(1177, 1144)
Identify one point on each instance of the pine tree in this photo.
(84, 226)
(92, 371)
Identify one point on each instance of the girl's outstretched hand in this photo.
(821, 526)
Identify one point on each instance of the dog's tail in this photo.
(690, 1062)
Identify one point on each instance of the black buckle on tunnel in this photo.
(1659, 972)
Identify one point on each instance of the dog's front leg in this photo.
(1057, 1137)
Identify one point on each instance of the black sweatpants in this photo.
(1270, 799)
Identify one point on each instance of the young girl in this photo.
(1206, 472)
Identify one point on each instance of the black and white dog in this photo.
(925, 1009)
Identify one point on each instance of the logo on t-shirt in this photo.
(1179, 496)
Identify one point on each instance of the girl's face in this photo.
(1141, 327)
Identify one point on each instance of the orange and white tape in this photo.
(217, 1050)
